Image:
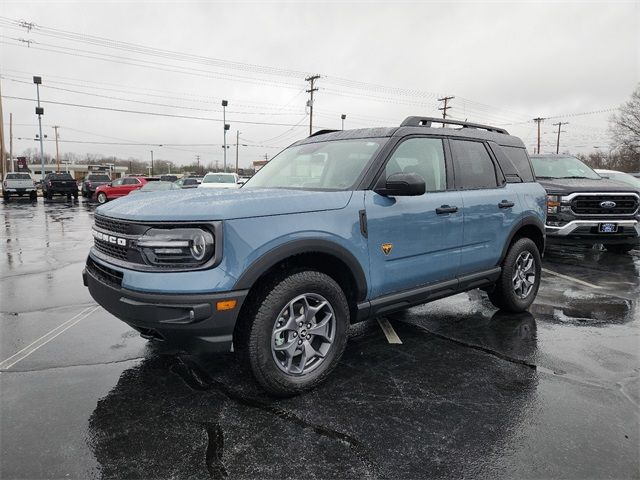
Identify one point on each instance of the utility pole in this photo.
(2, 159)
(56, 127)
(237, 142)
(40, 112)
(311, 80)
(538, 120)
(226, 127)
(13, 169)
(343, 117)
(152, 163)
(446, 106)
(559, 124)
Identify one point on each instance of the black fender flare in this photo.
(296, 247)
(529, 220)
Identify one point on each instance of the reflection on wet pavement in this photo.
(471, 391)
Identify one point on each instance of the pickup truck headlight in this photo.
(553, 204)
(177, 247)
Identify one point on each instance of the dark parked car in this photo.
(59, 183)
(93, 181)
(189, 182)
(585, 209)
(168, 178)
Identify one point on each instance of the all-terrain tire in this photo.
(264, 309)
(504, 295)
(620, 248)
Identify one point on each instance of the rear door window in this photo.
(130, 181)
(473, 165)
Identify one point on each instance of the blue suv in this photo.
(339, 227)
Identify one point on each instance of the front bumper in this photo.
(189, 321)
(586, 231)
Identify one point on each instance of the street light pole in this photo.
(224, 123)
(152, 163)
(342, 117)
(40, 112)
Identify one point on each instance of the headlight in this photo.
(553, 203)
(177, 247)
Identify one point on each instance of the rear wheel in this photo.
(102, 197)
(5, 196)
(75, 195)
(620, 248)
(33, 196)
(519, 281)
(296, 331)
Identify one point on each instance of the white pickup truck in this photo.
(19, 184)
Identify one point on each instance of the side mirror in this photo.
(403, 185)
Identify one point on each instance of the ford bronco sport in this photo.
(339, 227)
(585, 209)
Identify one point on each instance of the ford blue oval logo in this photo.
(608, 204)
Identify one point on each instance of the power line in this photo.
(157, 114)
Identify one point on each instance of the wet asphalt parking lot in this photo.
(470, 392)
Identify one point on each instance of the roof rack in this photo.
(322, 132)
(427, 121)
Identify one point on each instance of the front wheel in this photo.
(102, 197)
(620, 248)
(297, 331)
(517, 287)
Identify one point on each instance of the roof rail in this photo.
(427, 121)
(322, 132)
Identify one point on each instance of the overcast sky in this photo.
(379, 62)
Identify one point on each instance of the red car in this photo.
(120, 187)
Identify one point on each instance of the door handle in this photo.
(446, 209)
(505, 204)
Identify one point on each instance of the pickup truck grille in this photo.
(591, 204)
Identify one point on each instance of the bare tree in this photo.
(625, 125)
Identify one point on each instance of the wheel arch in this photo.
(322, 255)
(529, 227)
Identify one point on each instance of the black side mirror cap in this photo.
(403, 185)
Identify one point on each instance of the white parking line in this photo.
(389, 332)
(46, 338)
(571, 279)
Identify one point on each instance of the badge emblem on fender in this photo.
(386, 248)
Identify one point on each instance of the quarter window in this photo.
(474, 167)
(518, 157)
(423, 156)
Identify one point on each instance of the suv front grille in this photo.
(590, 204)
(112, 225)
(115, 251)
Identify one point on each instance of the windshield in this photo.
(99, 178)
(18, 176)
(156, 186)
(219, 178)
(561, 167)
(333, 165)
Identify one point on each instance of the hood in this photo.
(210, 204)
(566, 186)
